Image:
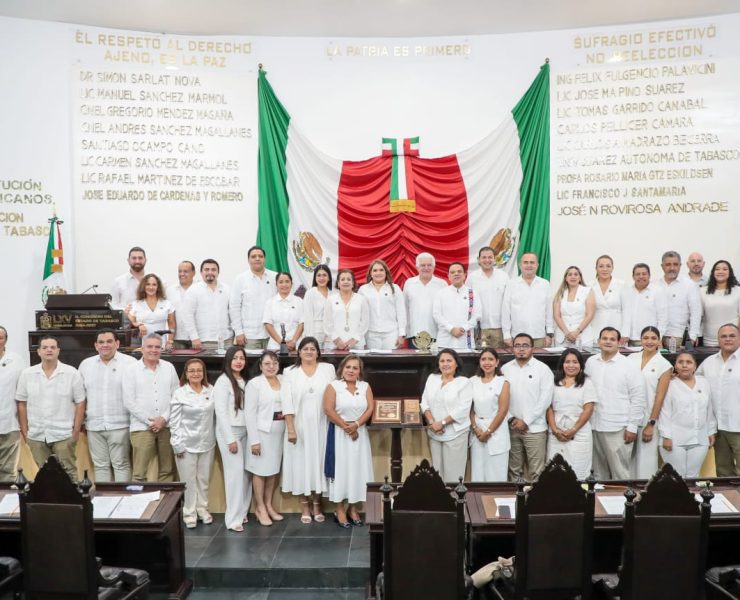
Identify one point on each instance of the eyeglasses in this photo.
(522, 346)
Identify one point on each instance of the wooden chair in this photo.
(58, 543)
(554, 536)
(424, 539)
(664, 542)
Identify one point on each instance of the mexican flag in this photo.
(53, 276)
(315, 208)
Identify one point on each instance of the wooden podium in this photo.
(74, 319)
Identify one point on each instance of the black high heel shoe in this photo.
(344, 525)
(358, 522)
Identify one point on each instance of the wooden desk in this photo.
(154, 543)
(488, 539)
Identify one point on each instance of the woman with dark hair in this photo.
(489, 441)
(656, 371)
(152, 312)
(346, 314)
(688, 426)
(284, 309)
(231, 436)
(568, 416)
(193, 439)
(387, 328)
(720, 301)
(303, 452)
(348, 464)
(265, 397)
(314, 303)
(446, 403)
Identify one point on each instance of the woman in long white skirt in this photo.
(193, 439)
(349, 404)
(656, 371)
(314, 303)
(687, 423)
(264, 399)
(303, 459)
(573, 403)
(231, 436)
(489, 439)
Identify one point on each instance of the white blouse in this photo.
(283, 311)
(651, 373)
(719, 308)
(387, 308)
(346, 321)
(687, 417)
(453, 399)
(153, 320)
(485, 406)
(608, 306)
(191, 420)
(260, 404)
(313, 314)
(568, 403)
(227, 417)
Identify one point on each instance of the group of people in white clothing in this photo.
(612, 413)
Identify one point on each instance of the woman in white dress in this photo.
(283, 309)
(346, 314)
(193, 439)
(607, 295)
(688, 426)
(720, 301)
(314, 303)
(151, 311)
(656, 371)
(569, 416)
(303, 458)
(231, 436)
(264, 399)
(348, 463)
(489, 440)
(446, 403)
(387, 328)
(573, 310)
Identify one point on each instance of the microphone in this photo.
(93, 287)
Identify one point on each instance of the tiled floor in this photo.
(262, 562)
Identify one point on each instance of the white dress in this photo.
(645, 463)
(346, 321)
(353, 466)
(303, 462)
(567, 404)
(573, 313)
(286, 311)
(608, 306)
(718, 308)
(313, 315)
(260, 404)
(154, 320)
(485, 407)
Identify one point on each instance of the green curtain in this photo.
(272, 233)
(532, 116)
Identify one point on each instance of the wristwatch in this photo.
(652, 422)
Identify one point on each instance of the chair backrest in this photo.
(57, 538)
(554, 534)
(423, 538)
(665, 540)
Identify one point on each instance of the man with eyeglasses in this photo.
(620, 411)
(148, 386)
(531, 386)
(107, 420)
(722, 371)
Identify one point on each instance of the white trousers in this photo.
(195, 470)
(612, 457)
(377, 340)
(687, 460)
(646, 456)
(488, 467)
(110, 450)
(451, 457)
(237, 482)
